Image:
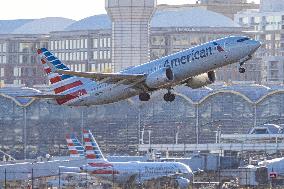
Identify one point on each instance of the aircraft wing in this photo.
(106, 77)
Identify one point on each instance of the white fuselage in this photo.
(138, 172)
(184, 65)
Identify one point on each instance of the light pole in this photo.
(25, 132)
(149, 135)
(177, 133)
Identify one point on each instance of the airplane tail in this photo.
(75, 148)
(93, 152)
(71, 86)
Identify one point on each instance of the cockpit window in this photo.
(243, 39)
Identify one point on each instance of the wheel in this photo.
(242, 70)
(144, 96)
(172, 97)
(169, 97)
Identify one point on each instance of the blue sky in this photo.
(74, 9)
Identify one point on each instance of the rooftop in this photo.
(183, 17)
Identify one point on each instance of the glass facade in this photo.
(196, 114)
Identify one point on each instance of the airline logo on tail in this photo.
(74, 146)
(71, 86)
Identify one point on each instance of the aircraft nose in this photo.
(254, 45)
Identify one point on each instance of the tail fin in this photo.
(75, 148)
(68, 85)
(93, 151)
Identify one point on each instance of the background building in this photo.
(267, 26)
(196, 115)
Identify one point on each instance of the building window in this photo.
(95, 43)
(17, 72)
(95, 55)
(2, 73)
(108, 42)
(59, 45)
(70, 44)
(67, 44)
(55, 45)
(4, 60)
(108, 55)
(63, 44)
(85, 56)
(101, 42)
(17, 82)
(105, 54)
(51, 45)
(93, 67)
(86, 43)
(268, 37)
(25, 47)
(74, 44)
(4, 47)
(101, 54)
(82, 44)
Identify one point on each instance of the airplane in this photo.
(193, 67)
(124, 173)
(75, 148)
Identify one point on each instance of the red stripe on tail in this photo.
(55, 79)
(91, 156)
(68, 86)
(47, 70)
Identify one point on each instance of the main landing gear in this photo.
(144, 97)
(169, 97)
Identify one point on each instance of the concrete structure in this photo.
(224, 7)
(130, 31)
(267, 26)
(271, 5)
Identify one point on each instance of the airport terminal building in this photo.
(33, 128)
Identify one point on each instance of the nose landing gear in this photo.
(242, 70)
(242, 61)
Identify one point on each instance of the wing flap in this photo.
(107, 77)
(43, 96)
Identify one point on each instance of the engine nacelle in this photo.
(183, 183)
(159, 78)
(201, 80)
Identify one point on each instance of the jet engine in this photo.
(159, 78)
(201, 80)
(183, 183)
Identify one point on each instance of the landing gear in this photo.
(144, 97)
(242, 70)
(169, 97)
(242, 61)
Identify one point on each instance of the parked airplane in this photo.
(193, 67)
(75, 148)
(130, 172)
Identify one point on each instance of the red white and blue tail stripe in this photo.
(75, 148)
(92, 148)
(71, 86)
